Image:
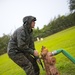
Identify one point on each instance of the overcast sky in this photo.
(12, 12)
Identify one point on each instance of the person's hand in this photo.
(38, 60)
(36, 53)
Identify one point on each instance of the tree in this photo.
(3, 43)
(72, 5)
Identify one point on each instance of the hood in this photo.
(27, 21)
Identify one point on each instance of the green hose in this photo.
(65, 53)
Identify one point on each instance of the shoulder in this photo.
(19, 31)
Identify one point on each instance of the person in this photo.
(21, 47)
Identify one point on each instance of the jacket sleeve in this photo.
(31, 45)
(21, 42)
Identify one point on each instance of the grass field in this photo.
(61, 40)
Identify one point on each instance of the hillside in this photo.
(61, 40)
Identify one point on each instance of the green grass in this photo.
(61, 40)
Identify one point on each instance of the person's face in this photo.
(33, 24)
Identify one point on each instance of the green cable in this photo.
(65, 53)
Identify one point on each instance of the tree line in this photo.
(56, 25)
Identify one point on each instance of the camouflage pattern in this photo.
(21, 47)
(26, 62)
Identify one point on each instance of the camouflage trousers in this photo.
(26, 62)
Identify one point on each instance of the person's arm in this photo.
(31, 44)
(21, 42)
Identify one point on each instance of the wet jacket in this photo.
(22, 38)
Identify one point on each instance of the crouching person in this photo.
(21, 47)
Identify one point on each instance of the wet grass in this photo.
(61, 40)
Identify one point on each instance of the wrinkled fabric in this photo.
(22, 38)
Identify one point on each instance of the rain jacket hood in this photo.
(27, 21)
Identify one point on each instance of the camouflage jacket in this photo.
(22, 38)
